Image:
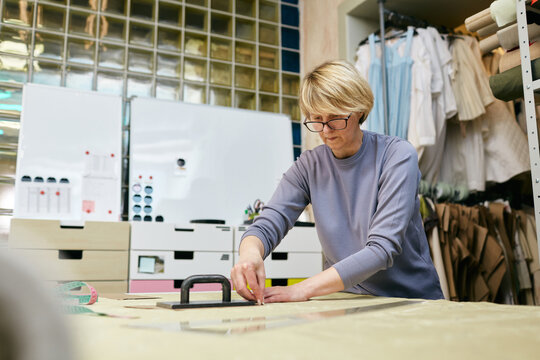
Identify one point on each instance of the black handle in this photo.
(188, 283)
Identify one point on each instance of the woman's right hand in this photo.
(250, 270)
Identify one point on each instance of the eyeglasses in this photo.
(334, 124)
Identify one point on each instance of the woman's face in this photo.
(343, 143)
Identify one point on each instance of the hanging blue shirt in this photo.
(399, 80)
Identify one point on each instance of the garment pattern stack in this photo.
(485, 252)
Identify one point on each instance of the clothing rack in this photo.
(398, 20)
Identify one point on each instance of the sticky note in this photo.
(147, 264)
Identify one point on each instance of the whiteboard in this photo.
(202, 161)
(69, 155)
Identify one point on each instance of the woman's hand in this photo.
(285, 294)
(323, 283)
(250, 270)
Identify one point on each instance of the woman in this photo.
(363, 187)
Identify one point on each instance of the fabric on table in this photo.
(511, 59)
(508, 85)
(508, 37)
(479, 20)
(503, 11)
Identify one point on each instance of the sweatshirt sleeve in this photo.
(396, 198)
(281, 212)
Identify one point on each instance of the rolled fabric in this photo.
(508, 37)
(508, 85)
(503, 11)
(479, 20)
(488, 30)
(512, 58)
(489, 43)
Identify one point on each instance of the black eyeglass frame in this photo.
(327, 123)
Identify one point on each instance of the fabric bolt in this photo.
(488, 30)
(491, 63)
(508, 85)
(503, 11)
(479, 20)
(367, 216)
(490, 43)
(508, 37)
(511, 59)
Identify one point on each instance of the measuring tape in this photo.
(83, 299)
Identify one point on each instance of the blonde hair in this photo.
(335, 87)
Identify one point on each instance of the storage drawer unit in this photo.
(164, 254)
(94, 252)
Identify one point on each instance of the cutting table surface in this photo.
(331, 327)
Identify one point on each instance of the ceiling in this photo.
(449, 13)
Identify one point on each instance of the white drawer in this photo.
(191, 237)
(298, 239)
(286, 265)
(145, 265)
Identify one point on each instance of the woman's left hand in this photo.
(285, 294)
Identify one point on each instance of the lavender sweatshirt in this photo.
(367, 216)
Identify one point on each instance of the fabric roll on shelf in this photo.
(488, 44)
(508, 37)
(508, 85)
(511, 59)
(503, 11)
(479, 20)
(491, 29)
